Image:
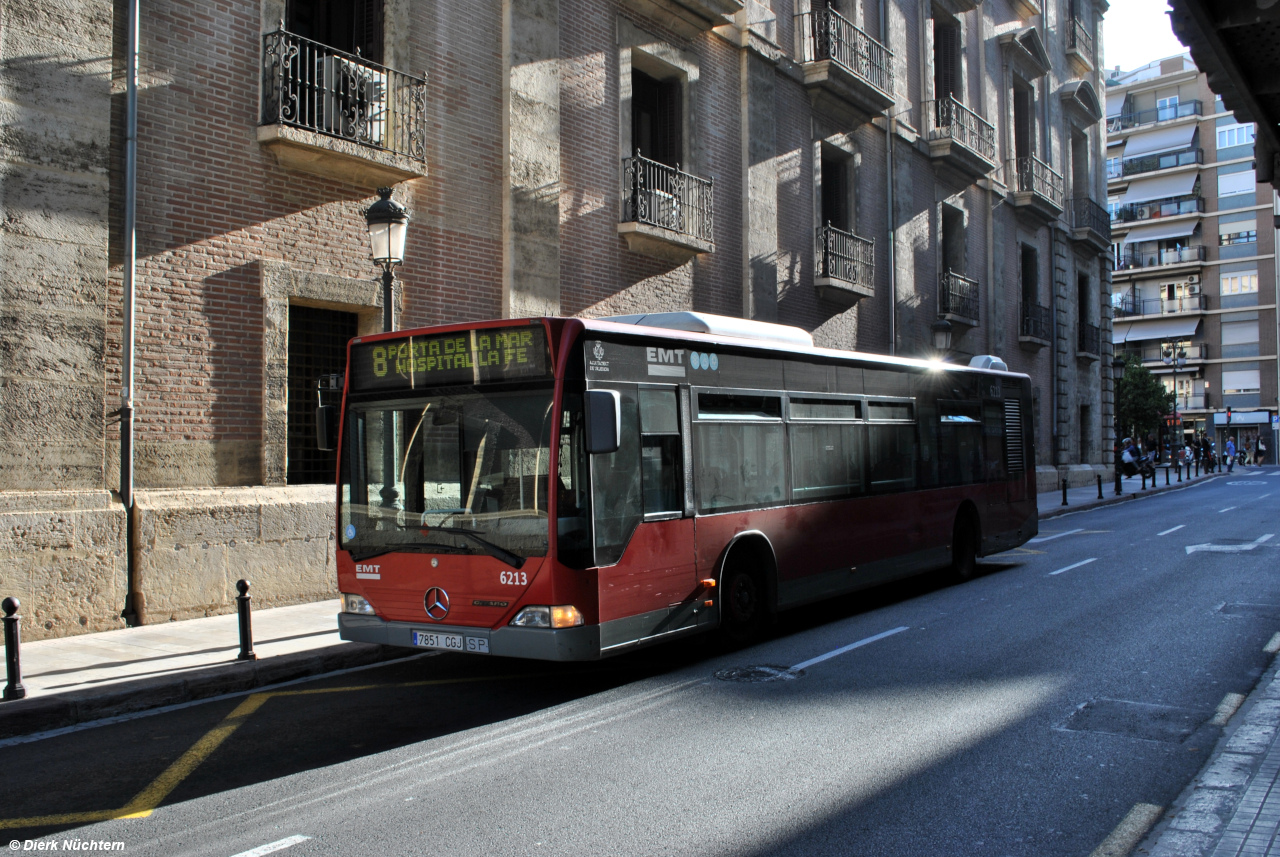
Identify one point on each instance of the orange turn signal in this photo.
(709, 583)
(708, 603)
(565, 616)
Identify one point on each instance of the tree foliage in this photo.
(1141, 400)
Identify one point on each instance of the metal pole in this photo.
(1064, 492)
(244, 608)
(127, 339)
(1099, 486)
(1144, 480)
(390, 496)
(13, 689)
(1116, 440)
(388, 317)
(1166, 475)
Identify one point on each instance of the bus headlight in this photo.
(356, 604)
(558, 616)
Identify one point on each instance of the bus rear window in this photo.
(737, 406)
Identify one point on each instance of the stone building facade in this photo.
(860, 169)
(1195, 274)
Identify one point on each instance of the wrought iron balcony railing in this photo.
(1157, 208)
(1135, 258)
(1029, 173)
(837, 39)
(958, 296)
(1150, 163)
(845, 256)
(1129, 304)
(1087, 214)
(952, 119)
(1035, 321)
(312, 86)
(666, 197)
(1089, 339)
(1156, 114)
(1154, 354)
(1080, 39)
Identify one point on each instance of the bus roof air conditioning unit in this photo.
(988, 361)
(719, 325)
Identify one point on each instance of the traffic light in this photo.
(1228, 415)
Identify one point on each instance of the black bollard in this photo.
(1166, 475)
(1119, 485)
(1144, 480)
(13, 689)
(246, 628)
(1179, 472)
(1099, 486)
(1197, 468)
(1064, 492)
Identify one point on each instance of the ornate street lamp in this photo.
(941, 337)
(1117, 372)
(388, 223)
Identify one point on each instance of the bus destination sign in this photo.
(463, 357)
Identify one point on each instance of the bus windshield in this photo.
(467, 474)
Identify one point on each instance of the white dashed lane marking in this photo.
(1171, 530)
(1039, 539)
(1077, 565)
(272, 847)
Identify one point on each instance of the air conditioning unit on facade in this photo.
(1193, 278)
(1193, 288)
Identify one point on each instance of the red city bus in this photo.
(568, 489)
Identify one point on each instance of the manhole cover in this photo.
(762, 672)
(1135, 720)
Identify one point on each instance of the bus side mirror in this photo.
(327, 428)
(603, 421)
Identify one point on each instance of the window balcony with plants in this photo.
(1154, 210)
(1139, 257)
(339, 115)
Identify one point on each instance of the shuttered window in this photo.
(946, 59)
(657, 118)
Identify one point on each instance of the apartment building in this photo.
(878, 173)
(1194, 286)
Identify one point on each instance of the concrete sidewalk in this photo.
(1086, 496)
(92, 676)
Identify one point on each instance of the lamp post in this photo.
(1117, 372)
(941, 337)
(388, 223)
(1176, 357)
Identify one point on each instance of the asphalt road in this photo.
(1023, 713)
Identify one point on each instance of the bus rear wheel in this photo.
(742, 607)
(964, 549)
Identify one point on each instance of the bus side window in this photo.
(959, 443)
(660, 452)
(892, 447)
(615, 482)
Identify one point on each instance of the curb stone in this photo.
(55, 711)
(1216, 811)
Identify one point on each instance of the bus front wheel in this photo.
(964, 549)
(742, 608)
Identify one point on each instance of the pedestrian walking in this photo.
(1231, 454)
(1260, 454)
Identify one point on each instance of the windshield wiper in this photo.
(417, 547)
(490, 548)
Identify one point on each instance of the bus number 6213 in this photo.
(513, 578)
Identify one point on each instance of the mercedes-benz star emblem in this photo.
(437, 603)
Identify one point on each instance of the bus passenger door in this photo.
(641, 521)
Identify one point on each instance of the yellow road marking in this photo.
(1025, 550)
(149, 798)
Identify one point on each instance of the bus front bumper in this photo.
(544, 644)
